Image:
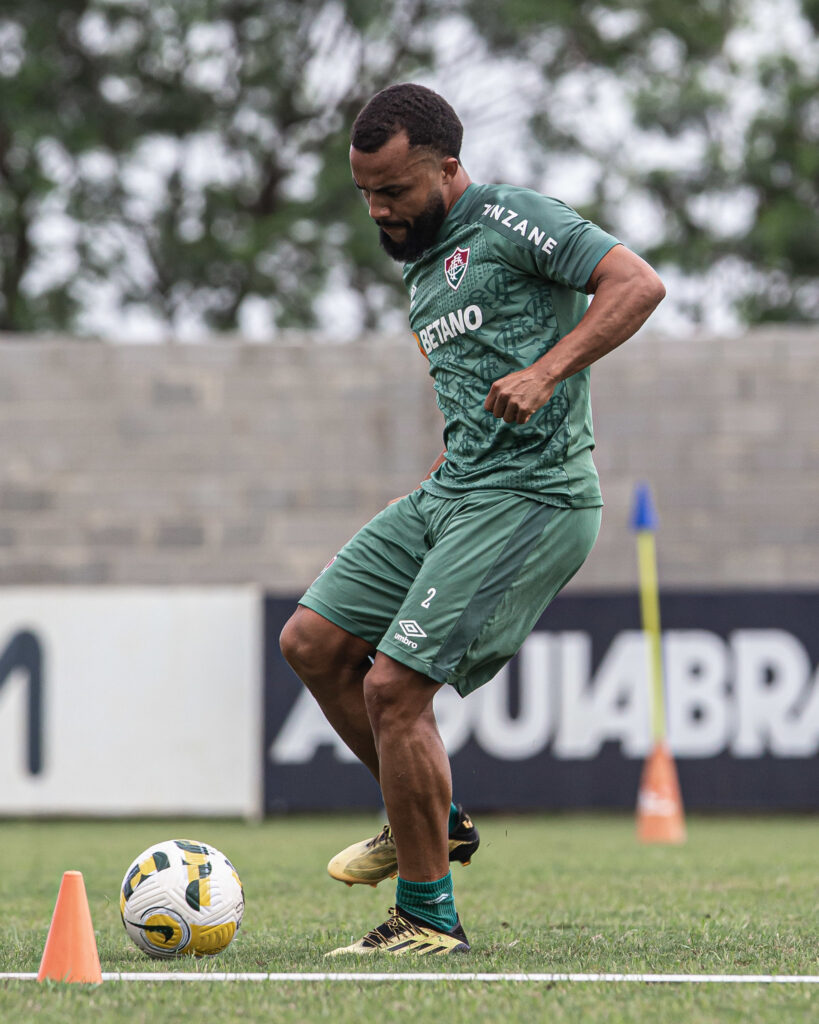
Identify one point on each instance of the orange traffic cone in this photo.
(70, 952)
(659, 804)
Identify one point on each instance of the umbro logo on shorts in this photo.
(411, 628)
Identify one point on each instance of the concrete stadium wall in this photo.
(236, 463)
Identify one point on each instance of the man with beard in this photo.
(443, 586)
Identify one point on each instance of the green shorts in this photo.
(451, 587)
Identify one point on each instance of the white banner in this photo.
(130, 701)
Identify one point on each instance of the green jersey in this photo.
(504, 281)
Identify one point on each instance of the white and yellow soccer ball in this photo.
(181, 897)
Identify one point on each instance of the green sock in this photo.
(433, 902)
(453, 817)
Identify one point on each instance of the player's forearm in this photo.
(621, 305)
(626, 290)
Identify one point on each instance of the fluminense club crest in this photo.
(455, 267)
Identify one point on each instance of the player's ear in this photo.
(449, 168)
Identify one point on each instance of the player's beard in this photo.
(420, 235)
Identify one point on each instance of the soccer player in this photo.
(443, 585)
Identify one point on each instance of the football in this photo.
(181, 898)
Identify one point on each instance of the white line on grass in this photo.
(679, 979)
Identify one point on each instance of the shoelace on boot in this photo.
(384, 836)
(394, 926)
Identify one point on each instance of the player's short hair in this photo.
(425, 116)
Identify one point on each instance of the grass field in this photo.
(544, 894)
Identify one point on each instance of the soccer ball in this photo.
(181, 897)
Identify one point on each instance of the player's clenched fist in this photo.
(516, 397)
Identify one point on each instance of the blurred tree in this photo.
(48, 90)
(782, 167)
(183, 162)
(185, 158)
(697, 137)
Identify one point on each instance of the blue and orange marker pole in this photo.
(660, 816)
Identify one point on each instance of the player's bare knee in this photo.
(300, 647)
(392, 700)
(320, 652)
(291, 642)
(382, 699)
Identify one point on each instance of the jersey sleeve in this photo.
(545, 237)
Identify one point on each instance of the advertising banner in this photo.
(130, 701)
(566, 723)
